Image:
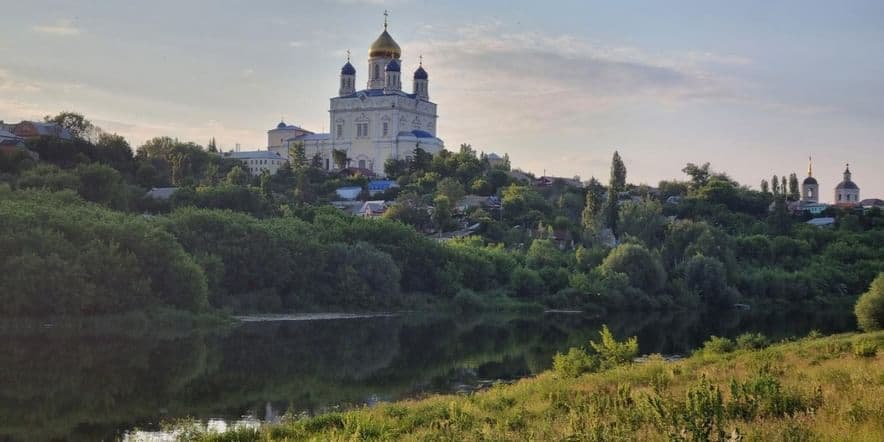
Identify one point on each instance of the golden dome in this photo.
(385, 46)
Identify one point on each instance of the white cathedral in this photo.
(373, 124)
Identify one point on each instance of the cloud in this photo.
(60, 27)
(539, 82)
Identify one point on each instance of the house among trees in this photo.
(547, 181)
(30, 130)
(373, 209)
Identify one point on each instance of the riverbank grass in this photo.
(829, 388)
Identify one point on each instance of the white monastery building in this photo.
(373, 124)
(256, 162)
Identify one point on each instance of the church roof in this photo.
(348, 69)
(312, 137)
(393, 66)
(416, 134)
(810, 180)
(283, 126)
(420, 74)
(850, 185)
(385, 46)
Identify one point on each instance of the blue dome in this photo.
(420, 74)
(348, 69)
(281, 125)
(393, 66)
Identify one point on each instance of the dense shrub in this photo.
(870, 306)
(640, 265)
(611, 352)
(574, 363)
(718, 345)
(63, 256)
(527, 283)
(751, 341)
(707, 278)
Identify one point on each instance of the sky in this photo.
(753, 87)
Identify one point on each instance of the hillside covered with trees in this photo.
(81, 238)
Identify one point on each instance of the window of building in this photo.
(361, 130)
(362, 164)
(326, 164)
(340, 131)
(386, 128)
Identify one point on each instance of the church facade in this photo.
(373, 124)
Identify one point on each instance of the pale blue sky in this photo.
(754, 87)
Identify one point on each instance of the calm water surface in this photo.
(68, 384)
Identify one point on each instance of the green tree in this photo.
(699, 174)
(616, 185)
(779, 222)
(101, 184)
(451, 188)
(591, 216)
(410, 209)
(264, 180)
(394, 168)
(75, 123)
(639, 264)
(765, 187)
(298, 156)
(442, 212)
(421, 160)
(339, 157)
(794, 191)
(316, 161)
(707, 277)
(212, 147)
(775, 185)
(114, 150)
(644, 221)
(526, 283)
(869, 308)
(237, 176)
(612, 353)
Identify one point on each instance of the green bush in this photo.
(641, 266)
(869, 308)
(865, 349)
(717, 345)
(527, 283)
(764, 396)
(612, 353)
(751, 341)
(574, 363)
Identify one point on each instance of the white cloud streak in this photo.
(63, 27)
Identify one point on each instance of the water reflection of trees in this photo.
(60, 384)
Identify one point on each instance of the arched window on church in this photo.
(376, 71)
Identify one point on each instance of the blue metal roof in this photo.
(348, 69)
(420, 74)
(393, 66)
(380, 185)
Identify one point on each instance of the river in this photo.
(75, 384)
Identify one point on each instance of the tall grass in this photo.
(809, 389)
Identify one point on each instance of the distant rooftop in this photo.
(254, 155)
